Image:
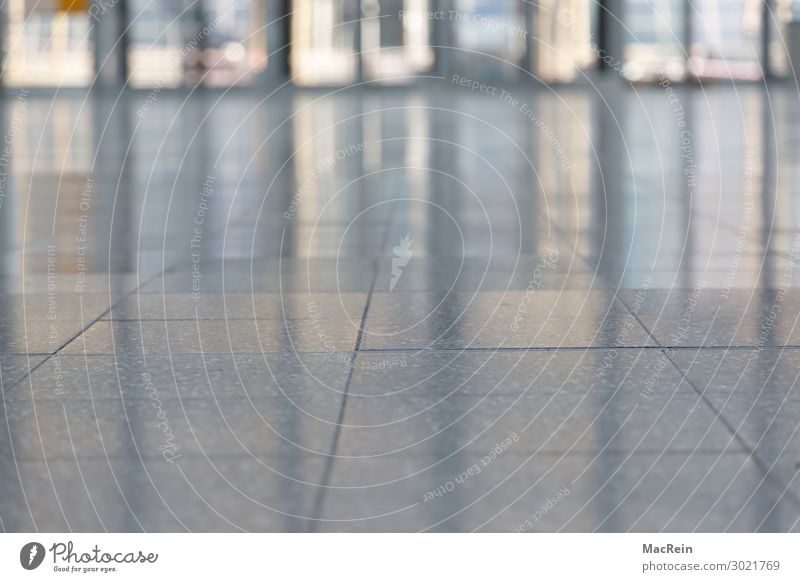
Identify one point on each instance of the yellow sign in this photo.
(73, 5)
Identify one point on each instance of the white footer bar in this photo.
(389, 557)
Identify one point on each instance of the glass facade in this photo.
(45, 45)
(174, 43)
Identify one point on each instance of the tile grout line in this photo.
(751, 453)
(545, 349)
(717, 413)
(666, 350)
(316, 511)
(319, 501)
(49, 356)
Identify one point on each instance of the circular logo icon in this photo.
(31, 555)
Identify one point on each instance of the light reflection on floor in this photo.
(417, 309)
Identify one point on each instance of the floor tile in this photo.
(114, 285)
(756, 393)
(14, 368)
(38, 336)
(288, 275)
(42, 324)
(582, 493)
(210, 376)
(277, 306)
(530, 326)
(216, 336)
(568, 319)
(552, 270)
(91, 429)
(576, 418)
(718, 317)
(511, 373)
(127, 495)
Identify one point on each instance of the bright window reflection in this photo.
(323, 41)
(216, 42)
(490, 37)
(655, 36)
(173, 43)
(46, 46)
(395, 39)
(563, 30)
(726, 39)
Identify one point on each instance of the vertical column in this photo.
(108, 19)
(443, 38)
(530, 15)
(610, 31)
(113, 172)
(279, 38)
(196, 35)
(686, 39)
(766, 14)
(3, 40)
(358, 42)
(611, 199)
(793, 40)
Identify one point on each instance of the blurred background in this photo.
(147, 43)
(234, 179)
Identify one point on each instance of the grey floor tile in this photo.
(690, 279)
(471, 274)
(43, 324)
(151, 306)
(576, 418)
(114, 285)
(494, 319)
(346, 240)
(477, 235)
(269, 276)
(119, 261)
(545, 493)
(66, 306)
(713, 317)
(725, 265)
(756, 391)
(14, 368)
(210, 376)
(647, 452)
(89, 429)
(216, 336)
(38, 336)
(659, 237)
(512, 372)
(124, 494)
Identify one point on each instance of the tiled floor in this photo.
(401, 310)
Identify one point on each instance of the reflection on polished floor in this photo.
(416, 309)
